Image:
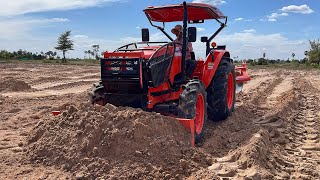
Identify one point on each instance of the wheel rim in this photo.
(230, 90)
(199, 119)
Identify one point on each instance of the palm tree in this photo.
(89, 53)
(85, 54)
(96, 49)
(92, 54)
(65, 44)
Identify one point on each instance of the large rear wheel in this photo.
(193, 105)
(221, 91)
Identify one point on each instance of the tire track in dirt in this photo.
(283, 148)
(294, 132)
(49, 92)
(64, 84)
(302, 133)
(235, 144)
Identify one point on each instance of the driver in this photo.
(190, 63)
(177, 30)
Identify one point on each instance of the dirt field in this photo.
(274, 132)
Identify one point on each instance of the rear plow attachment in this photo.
(241, 76)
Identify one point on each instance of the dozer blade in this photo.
(188, 124)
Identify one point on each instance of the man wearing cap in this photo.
(191, 63)
(177, 30)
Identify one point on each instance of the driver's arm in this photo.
(189, 47)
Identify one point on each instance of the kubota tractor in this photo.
(154, 77)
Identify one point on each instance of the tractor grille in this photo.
(117, 68)
(121, 75)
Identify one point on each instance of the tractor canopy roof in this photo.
(171, 13)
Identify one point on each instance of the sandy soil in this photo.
(274, 132)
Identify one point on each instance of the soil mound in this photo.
(13, 85)
(93, 141)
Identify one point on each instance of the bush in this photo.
(262, 61)
(314, 53)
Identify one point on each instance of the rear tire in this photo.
(193, 105)
(221, 91)
(96, 95)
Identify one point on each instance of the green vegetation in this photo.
(314, 53)
(65, 44)
(21, 55)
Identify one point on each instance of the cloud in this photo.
(252, 45)
(156, 37)
(79, 36)
(19, 7)
(11, 28)
(243, 19)
(249, 31)
(213, 2)
(201, 29)
(274, 16)
(238, 19)
(303, 9)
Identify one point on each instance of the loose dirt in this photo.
(93, 141)
(13, 85)
(273, 133)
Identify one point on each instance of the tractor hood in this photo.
(143, 53)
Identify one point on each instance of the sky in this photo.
(275, 27)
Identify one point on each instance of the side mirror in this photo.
(145, 34)
(204, 39)
(192, 34)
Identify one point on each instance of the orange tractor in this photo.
(156, 76)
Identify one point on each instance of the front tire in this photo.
(221, 91)
(193, 105)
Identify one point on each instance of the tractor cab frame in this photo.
(188, 13)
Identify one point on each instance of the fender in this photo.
(211, 64)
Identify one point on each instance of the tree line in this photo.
(25, 55)
(312, 57)
(65, 44)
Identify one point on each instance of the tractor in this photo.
(155, 76)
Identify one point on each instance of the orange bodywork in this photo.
(204, 71)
